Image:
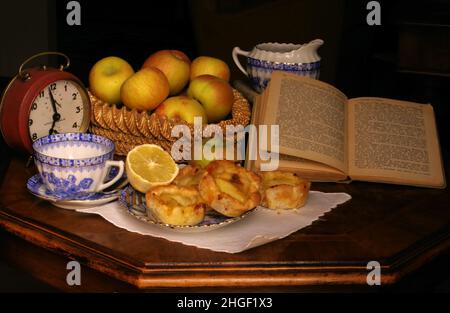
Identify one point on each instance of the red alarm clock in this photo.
(40, 101)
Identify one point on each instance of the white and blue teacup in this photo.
(72, 164)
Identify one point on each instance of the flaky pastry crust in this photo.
(283, 190)
(189, 176)
(175, 205)
(229, 189)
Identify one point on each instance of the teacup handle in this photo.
(108, 165)
(237, 51)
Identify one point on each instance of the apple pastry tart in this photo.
(229, 189)
(189, 176)
(175, 205)
(283, 190)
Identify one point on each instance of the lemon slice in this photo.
(149, 166)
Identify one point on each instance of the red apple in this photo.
(205, 65)
(214, 94)
(175, 65)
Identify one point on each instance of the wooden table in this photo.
(401, 227)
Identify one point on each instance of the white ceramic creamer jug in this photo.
(301, 59)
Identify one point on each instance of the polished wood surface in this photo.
(401, 227)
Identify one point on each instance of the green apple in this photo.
(182, 107)
(107, 76)
(145, 89)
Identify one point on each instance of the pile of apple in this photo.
(168, 83)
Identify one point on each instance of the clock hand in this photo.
(52, 100)
(52, 128)
(56, 115)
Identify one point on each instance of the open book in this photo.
(323, 136)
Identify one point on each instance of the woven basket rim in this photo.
(236, 93)
(128, 127)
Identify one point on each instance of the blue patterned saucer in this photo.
(134, 202)
(36, 186)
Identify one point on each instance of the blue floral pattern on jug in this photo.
(291, 67)
(260, 71)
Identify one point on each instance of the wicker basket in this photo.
(129, 128)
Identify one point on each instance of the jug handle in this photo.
(236, 51)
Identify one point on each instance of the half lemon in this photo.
(148, 166)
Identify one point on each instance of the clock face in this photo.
(61, 107)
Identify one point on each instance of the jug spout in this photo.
(309, 50)
(315, 43)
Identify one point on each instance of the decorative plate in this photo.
(36, 187)
(134, 202)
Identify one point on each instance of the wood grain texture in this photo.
(401, 227)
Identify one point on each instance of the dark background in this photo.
(407, 57)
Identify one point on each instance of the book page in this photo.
(312, 117)
(311, 170)
(394, 141)
(307, 169)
